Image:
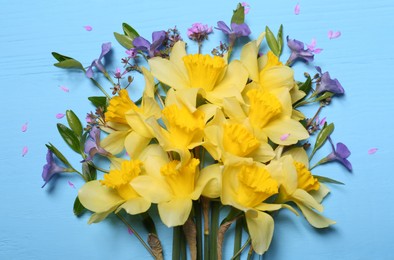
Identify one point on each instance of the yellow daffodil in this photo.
(298, 185)
(114, 192)
(172, 185)
(231, 142)
(246, 186)
(191, 74)
(127, 121)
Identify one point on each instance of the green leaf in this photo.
(98, 101)
(78, 209)
(272, 42)
(279, 38)
(327, 180)
(89, 171)
(324, 96)
(58, 154)
(322, 137)
(306, 86)
(69, 137)
(66, 62)
(124, 40)
(129, 31)
(74, 123)
(238, 15)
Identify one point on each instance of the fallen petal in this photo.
(71, 184)
(88, 28)
(297, 9)
(60, 115)
(372, 150)
(24, 127)
(284, 137)
(24, 151)
(65, 89)
(333, 35)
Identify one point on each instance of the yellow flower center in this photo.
(305, 179)
(204, 71)
(263, 107)
(183, 125)
(120, 179)
(255, 185)
(180, 179)
(238, 140)
(118, 106)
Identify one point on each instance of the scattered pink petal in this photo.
(246, 7)
(317, 51)
(284, 137)
(130, 231)
(333, 35)
(24, 151)
(88, 28)
(372, 150)
(321, 123)
(71, 184)
(24, 127)
(64, 88)
(60, 115)
(312, 47)
(297, 9)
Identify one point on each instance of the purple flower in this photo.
(326, 84)
(341, 153)
(131, 53)
(151, 49)
(92, 144)
(51, 168)
(105, 48)
(118, 74)
(298, 51)
(199, 32)
(237, 30)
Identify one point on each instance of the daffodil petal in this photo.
(249, 59)
(135, 144)
(263, 153)
(168, 73)
(320, 194)
(149, 90)
(153, 157)
(135, 206)
(233, 109)
(314, 218)
(306, 199)
(209, 183)
(177, 53)
(137, 123)
(188, 97)
(98, 198)
(175, 212)
(277, 77)
(282, 94)
(268, 207)
(98, 217)
(114, 142)
(299, 155)
(236, 77)
(153, 189)
(218, 94)
(277, 128)
(261, 230)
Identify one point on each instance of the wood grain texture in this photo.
(38, 223)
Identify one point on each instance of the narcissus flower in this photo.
(191, 74)
(114, 192)
(173, 185)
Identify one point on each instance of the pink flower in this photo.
(199, 32)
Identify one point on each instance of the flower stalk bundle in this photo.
(214, 140)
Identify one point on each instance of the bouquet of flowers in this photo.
(214, 140)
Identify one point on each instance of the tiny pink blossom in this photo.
(372, 150)
(88, 28)
(24, 127)
(284, 137)
(71, 184)
(60, 115)
(64, 88)
(246, 7)
(24, 151)
(297, 9)
(333, 35)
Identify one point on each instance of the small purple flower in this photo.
(151, 49)
(105, 48)
(92, 144)
(326, 84)
(51, 168)
(298, 51)
(341, 153)
(236, 31)
(118, 74)
(132, 53)
(199, 32)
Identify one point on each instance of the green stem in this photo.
(176, 243)
(238, 237)
(100, 169)
(100, 87)
(135, 234)
(214, 229)
(237, 254)
(183, 244)
(197, 216)
(314, 117)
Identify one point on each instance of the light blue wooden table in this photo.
(38, 223)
